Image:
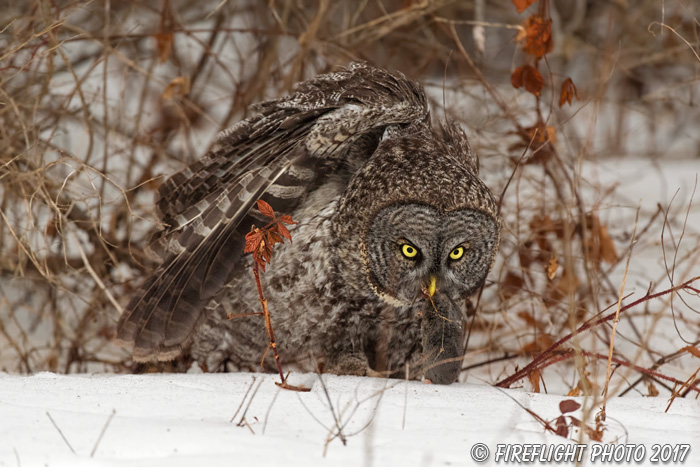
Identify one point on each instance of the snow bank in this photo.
(185, 420)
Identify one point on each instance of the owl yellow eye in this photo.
(457, 253)
(409, 251)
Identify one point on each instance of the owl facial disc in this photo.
(416, 247)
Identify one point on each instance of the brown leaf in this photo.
(164, 44)
(525, 255)
(574, 392)
(596, 434)
(52, 227)
(511, 284)
(534, 377)
(692, 350)
(538, 138)
(542, 343)
(608, 252)
(564, 285)
(562, 427)
(527, 76)
(653, 392)
(265, 209)
(549, 134)
(569, 405)
(552, 267)
(537, 36)
(521, 5)
(528, 318)
(178, 87)
(568, 92)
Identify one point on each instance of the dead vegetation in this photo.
(100, 100)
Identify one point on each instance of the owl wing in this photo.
(273, 154)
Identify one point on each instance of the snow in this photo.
(185, 419)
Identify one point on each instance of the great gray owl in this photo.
(395, 230)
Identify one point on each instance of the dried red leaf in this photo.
(569, 405)
(284, 232)
(537, 36)
(528, 77)
(286, 219)
(260, 242)
(521, 5)
(562, 427)
(275, 237)
(265, 209)
(568, 92)
(252, 240)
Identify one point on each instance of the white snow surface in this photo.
(185, 420)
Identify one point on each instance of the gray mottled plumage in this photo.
(351, 156)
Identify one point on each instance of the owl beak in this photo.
(432, 285)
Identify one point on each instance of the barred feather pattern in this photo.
(282, 154)
(352, 157)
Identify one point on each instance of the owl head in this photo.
(428, 222)
(413, 248)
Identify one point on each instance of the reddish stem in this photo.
(566, 355)
(538, 361)
(268, 322)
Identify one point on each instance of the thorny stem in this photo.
(538, 361)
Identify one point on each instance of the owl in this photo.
(394, 231)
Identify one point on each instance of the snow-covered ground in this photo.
(185, 420)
